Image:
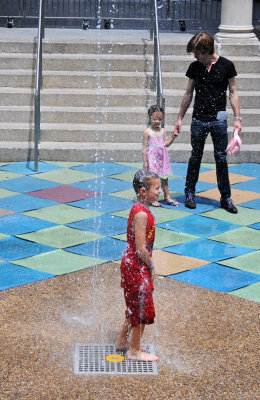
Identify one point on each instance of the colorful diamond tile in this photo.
(4, 212)
(161, 214)
(252, 186)
(208, 250)
(17, 224)
(255, 204)
(248, 262)
(255, 226)
(208, 166)
(14, 249)
(244, 217)
(125, 194)
(178, 185)
(66, 164)
(210, 177)
(108, 249)
(59, 262)
(104, 203)
(168, 263)
(7, 193)
(23, 202)
(238, 196)
(104, 168)
(103, 185)
(63, 194)
(104, 225)
(27, 167)
(62, 214)
(13, 275)
(26, 184)
(132, 164)
(202, 205)
(6, 175)
(216, 277)
(60, 237)
(246, 169)
(125, 176)
(3, 236)
(251, 292)
(65, 176)
(198, 226)
(244, 237)
(166, 238)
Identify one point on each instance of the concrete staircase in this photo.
(96, 90)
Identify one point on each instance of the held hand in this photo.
(177, 127)
(175, 134)
(152, 274)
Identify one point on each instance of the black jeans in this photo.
(199, 133)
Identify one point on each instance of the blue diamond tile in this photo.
(12, 275)
(104, 168)
(15, 249)
(23, 202)
(106, 224)
(26, 184)
(17, 224)
(103, 185)
(107, 249)
(104, 203)
(202, 205)
(27, 167)
(216, 277)
(255, 204)
(246, 169)
(199, 226)
(208, 250)
(250, 186)
(255, 226)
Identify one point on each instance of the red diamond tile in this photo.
(63, 194)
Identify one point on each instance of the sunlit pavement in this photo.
(72, 216)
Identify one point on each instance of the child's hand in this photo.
(152, 273)
(175, 134)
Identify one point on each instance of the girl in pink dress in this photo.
(155, 154)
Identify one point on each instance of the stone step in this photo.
(114, 62)
(90, 152)
(105, 115)
(105, 97)
(112, 133)
(104, 79)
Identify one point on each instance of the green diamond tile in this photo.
(133, 165)
(161, 214)
(247, 262)
(125, 194)
(62, 214)
(164, 238)
(61, 237)
(244, 237)
(208, 165)
(167, 238)
(251, 292)
(125, 176)
(3, 236)
(65, 176)
(58, 262)
(6, 193)
(5, 175)
(244, 217)
(67, 164)
(122, 214)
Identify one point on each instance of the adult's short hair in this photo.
(143, 179)
(201, 42)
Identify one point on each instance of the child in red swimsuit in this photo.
(137, 267)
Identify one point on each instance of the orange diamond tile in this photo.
(4, 212)
(238, 196)
(210, 177)
(168, 263)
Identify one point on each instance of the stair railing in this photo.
(157, 72)
(38, 85)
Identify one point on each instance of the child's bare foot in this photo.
(156, 204)
(141, 356)
(170, 202)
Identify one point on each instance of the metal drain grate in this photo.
(91, 359)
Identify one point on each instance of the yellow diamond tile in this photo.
(238, 196)
(210, 177)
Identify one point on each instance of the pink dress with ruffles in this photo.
(157, 155)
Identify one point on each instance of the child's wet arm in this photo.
(139, 226)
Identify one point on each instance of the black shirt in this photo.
(210, 87)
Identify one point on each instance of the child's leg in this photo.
(135, 352)
(167, 197)
(122, 341)
(156, 203)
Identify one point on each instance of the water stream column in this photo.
(236, 25)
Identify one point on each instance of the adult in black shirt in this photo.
(210, 76)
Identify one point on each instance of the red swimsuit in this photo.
(135, 275)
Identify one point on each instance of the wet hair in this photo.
(142, 179)
(154, 109)
(202, 42)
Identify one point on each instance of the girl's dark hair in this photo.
(154, 109)
(143, 178)
(201, 42)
